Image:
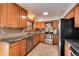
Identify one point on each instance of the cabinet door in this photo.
(42, 25)
(14, 49)
(41, 37)
(38, 25)
(23, 19)
(3, 15)
(70, 14)
(55, 40)
(34, 41)
(23, 47)
(76, 15)
(55, 23)
(34, 26)
(12, 15)
(67, 50)
(38, 38)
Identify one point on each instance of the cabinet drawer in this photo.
(14, 44)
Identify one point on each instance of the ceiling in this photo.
(55, 10)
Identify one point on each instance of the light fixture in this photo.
(45, 13)
(23, 17)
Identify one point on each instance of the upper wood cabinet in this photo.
(34, 25)
(12, 15)
(70, 14)
(23, 19)
(55, 23)
(40, 25)
(76, 16)
(37, 24)
(2, 15)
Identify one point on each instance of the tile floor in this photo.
(44, 50)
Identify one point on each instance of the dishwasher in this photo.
(29, 43)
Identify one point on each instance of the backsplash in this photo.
(10, 30)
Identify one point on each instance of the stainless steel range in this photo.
(49, 37)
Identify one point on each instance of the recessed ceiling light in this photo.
(45, 13)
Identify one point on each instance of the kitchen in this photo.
(25, 33)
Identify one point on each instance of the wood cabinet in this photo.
(11, 15)
(17, 48)
(55, 38)
(40, 25)
(34, 25)
(23, 47)
(42, 36)
(70, 14)
(36, 39)
(55, 24)
(23, 19)
(76, 16)
(3, 15)
(37, 24)
(67, 49)
(14, 49)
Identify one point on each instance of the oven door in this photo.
(48, 36)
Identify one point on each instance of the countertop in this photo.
(13, 37)
(74, 43)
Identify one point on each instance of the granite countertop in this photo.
(16, 36)
(74, 43)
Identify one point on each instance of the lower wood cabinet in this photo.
(36, 39)
(14, 49)
(67, 50)
(23, 47)
(42, 36)
(55, 39)
(17, 48)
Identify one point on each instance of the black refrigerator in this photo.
(66, 30)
